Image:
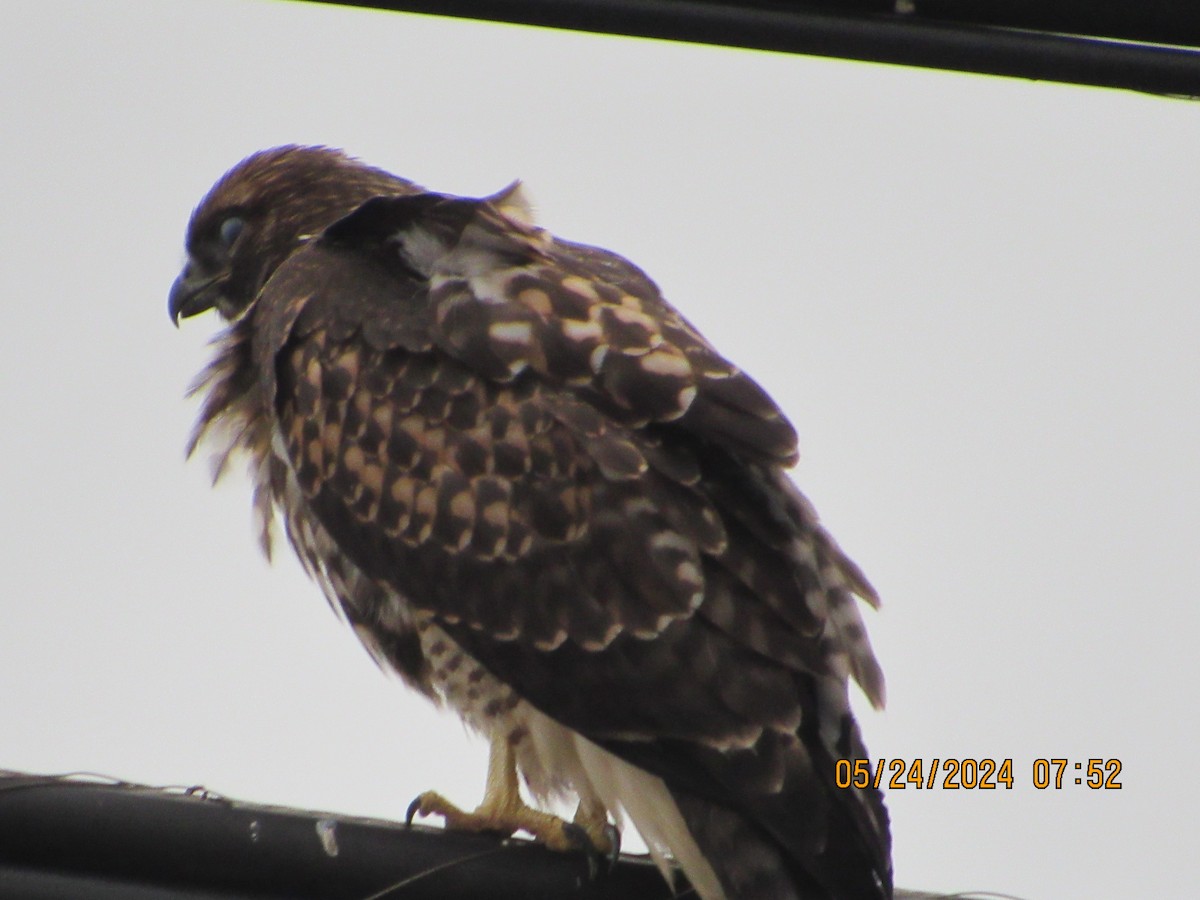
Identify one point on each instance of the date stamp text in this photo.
(975, 774)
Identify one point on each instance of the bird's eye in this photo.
(230, 229)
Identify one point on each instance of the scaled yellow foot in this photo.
(504, 812)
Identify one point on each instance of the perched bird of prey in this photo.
(540, 496)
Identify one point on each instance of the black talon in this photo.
(413, 808)
(584, 844)
(614, 844)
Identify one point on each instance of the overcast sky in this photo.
(975, 297)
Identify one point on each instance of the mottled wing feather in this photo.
(484, 502)
(714, 712)
(506, 296)
(521, 437)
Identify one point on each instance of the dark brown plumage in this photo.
(537, 493)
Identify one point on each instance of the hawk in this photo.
(541, 497)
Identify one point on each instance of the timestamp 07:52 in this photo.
(974, 774)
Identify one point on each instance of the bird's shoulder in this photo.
(473, 279)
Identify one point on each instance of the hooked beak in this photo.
(192, 294)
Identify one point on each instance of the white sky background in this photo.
(975, 297)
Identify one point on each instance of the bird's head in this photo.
(259, 213)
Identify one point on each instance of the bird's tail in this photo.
(806, 840)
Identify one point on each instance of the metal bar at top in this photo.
(898, 38)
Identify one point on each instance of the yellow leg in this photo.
(504, 812)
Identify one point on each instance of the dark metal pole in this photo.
(828, 30)
(91, 838)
